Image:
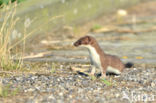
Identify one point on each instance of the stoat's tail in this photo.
(129, 65)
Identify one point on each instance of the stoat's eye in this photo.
(79, 42)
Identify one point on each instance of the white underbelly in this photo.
(112, 70)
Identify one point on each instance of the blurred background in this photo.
(56, 24)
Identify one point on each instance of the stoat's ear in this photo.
(89, 40)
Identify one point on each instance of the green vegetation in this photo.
(8, 1)
(96, 26)
(7, 42)
(5, 38)
(101, 79)
(93, 77)
(5, 91)
(106, 82)
(53, 68)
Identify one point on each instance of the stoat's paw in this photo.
(103, 76)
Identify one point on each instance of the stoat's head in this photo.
(86, 40)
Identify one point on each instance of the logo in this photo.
(137, 96)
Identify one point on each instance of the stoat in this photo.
(105, 62)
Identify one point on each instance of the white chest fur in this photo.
(94, 56)
(95, 60)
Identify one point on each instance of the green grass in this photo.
(101, 79)
(5, 91)
(12, 43)
(105, 82)
(4, 2)
(93, 77)
(53, 68)
(96, 26)
(7, 44)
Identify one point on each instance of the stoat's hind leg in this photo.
(103, 73)
(114, 71)
(103, 76)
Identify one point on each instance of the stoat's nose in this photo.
(77, 43)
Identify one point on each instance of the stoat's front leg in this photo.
(103, 72)
(93, 70)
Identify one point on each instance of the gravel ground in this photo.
(134, 85)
